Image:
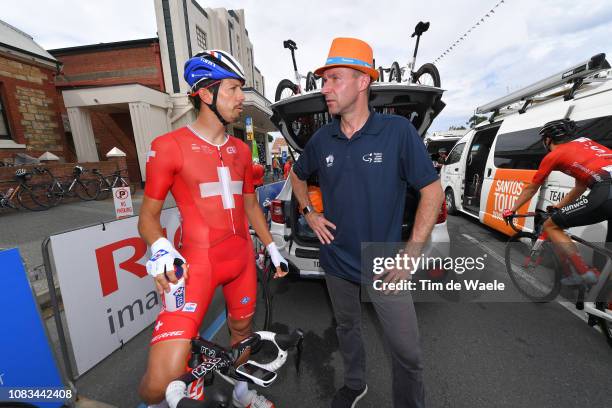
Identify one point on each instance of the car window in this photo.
(597, 129)
(524, 150)
(455, 154)
(519, 150)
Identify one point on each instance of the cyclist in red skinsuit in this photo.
(590, 163)
(210, 176)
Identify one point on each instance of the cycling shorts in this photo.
(231, 263)
(595, 207)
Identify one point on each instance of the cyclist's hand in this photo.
(551, 209)
(507, 213)
(320, 225)
(161, 265)
(279, 262)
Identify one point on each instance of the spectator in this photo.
(287, 168)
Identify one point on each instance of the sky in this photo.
(522, 42)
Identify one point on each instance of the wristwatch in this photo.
(307, 209)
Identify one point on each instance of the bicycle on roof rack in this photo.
(427, 74)
(286, 87)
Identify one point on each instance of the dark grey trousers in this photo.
(399, 323)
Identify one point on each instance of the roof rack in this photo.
(575, 75)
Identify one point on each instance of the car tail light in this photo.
(277, 212)
(443, 213)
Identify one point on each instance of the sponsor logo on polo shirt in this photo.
(373, 157)
(330, 160)
(231, 150)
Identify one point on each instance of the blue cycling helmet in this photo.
(210, 67)
(212, 64)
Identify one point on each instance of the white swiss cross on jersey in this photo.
(225, 187)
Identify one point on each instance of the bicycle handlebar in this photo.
(537, 213)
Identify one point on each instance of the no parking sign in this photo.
(123, 202)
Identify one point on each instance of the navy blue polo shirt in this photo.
(363, 181)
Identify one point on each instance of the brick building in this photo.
(30, 107)
(80, 102)
(120, 65)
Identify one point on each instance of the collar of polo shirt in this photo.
(373, 125)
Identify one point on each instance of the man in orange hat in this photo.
(382, 155)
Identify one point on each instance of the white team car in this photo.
(298, 117)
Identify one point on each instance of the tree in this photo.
(475, 120)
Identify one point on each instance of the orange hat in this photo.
(350, 53)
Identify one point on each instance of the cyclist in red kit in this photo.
(590, 163)
(210, 176)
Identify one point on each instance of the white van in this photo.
(442, 140)
(488, 168)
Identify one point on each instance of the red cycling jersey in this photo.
(207, 182)
(587, 161)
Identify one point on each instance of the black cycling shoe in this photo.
(348, 398)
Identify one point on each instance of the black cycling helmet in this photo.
(559, 130)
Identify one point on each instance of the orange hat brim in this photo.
(366, 70)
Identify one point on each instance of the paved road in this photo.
(477, 354)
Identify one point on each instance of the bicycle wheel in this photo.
(87, 190)
(311, 82)
(285, 89)
(536, 276)
(605, 304)
(33, 198)
(104, 189)
(395, 75)
(53, 195)
(428, 75)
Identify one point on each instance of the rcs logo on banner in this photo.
(101, 270)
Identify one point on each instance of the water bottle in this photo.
(175, 299)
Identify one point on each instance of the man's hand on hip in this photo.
(320, 225)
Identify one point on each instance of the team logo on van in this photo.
(330, 160)
(373, 157)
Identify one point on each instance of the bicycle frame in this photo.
(592, 295)
(6, 199)
(588, 303)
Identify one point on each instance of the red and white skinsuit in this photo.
(208, 183)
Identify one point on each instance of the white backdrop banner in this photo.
(108, 296)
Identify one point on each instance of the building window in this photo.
(5, 131)
(229, 27)
(202, 43)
